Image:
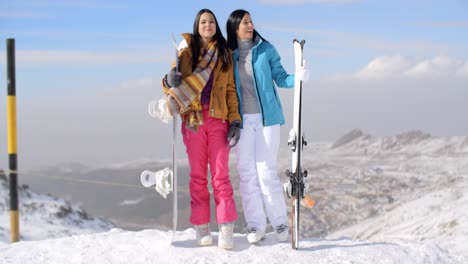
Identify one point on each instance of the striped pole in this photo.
(12, 156)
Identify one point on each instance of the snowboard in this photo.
(165, 180)
(174, 156)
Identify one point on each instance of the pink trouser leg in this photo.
(209, 146)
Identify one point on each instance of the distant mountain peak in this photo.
(409, 142)
(349, 137)
(412, 136)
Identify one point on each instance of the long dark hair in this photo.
(232, 25)
(196, 44)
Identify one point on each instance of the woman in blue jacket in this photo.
(257, 68)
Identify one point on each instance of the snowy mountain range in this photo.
(45, 216)
(396, 199)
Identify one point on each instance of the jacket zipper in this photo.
(255, 85)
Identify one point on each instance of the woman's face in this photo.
(246, 28)
(207, 26)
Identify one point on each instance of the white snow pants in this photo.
(260, 186)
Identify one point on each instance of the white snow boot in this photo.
(254, 235)
(226, 235)
(282, 232)
(203, 235)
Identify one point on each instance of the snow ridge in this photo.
(44, 216)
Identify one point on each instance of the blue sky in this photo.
(383, 66)
(106, 42)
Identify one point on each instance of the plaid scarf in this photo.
(185, 99)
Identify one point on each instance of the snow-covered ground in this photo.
(153, 246)
(398, 199)
(440, 217)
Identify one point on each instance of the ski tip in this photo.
(302, 42)
(174, 42)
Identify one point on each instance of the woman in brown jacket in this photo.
(204, 94)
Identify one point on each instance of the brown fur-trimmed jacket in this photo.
(224, 103)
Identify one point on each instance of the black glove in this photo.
(173, 79)
(234, 133)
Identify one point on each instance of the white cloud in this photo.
(386, 67)
(446, 24)
(295, 2)
(10, 10)
(91, 4)
(463, 70)
(23, 15)
(142, 83)
(344, 41)
(43, 57)
(383, 67)
(436, 67)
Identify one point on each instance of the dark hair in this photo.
(232, 25)
(196, 44)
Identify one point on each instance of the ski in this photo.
(174, 156)
(295, 188)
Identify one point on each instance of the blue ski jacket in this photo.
(267, 70)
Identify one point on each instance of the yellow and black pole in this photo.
(12, 155)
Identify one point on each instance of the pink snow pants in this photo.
(209, 146)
